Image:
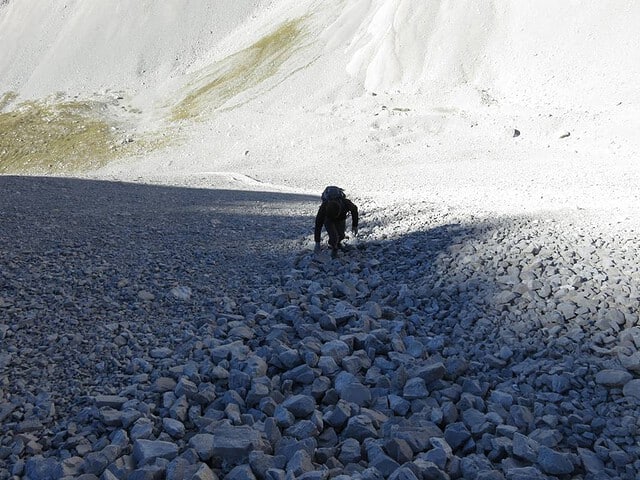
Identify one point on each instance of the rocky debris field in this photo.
(156, 332)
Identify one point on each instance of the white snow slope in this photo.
(415, 100)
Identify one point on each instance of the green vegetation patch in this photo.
(241, 71)
(56, 136)
(67, 136)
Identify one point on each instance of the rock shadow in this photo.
(84, 261)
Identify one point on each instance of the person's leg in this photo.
(334, 235)
(341, 227)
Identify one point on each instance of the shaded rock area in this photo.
(156, 332)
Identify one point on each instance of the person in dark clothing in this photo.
(333, 215)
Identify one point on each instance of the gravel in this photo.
(181, 333)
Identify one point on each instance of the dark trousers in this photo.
(335, 229)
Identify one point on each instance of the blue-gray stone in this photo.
(475, 465)
(142, 428)
(339, 415)
(404, 473)
(415, 388)
(524, 473)
(399, 405)
(336, 349)
(554, 463)
(302, 374)
(456, 434)
(173, 427)
(379, 460)
(147, 451)
(301, 406)
(360, 427)
(430, 470)
(522, 416)
(503, 399)
(431, 373)
(234, 443)
(283, 417)
(299, 463)
(631, 390)
(525, 448)
(475, 420)
(302, 429)
(613, 377)
(591, 462)
(261, 462)
(355, 392)
(202, 443)
(39, 468)
(240, 472)
(350, 451)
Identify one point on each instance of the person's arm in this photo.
(320, 216)
(353, 208)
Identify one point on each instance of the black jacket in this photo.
(347, 207)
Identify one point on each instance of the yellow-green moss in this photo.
(56, 136)
(240, 71)
(59, 136)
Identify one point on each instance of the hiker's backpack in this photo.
(333, 193)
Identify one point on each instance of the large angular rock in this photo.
(302, 374)
(415, 388)
(173, 427)
(240, 472)
(336, 349)
(613, 377)
(404, 473)
(591, 462)
(202, 443)
(147, 451)
(39, 468)
(356, 392)
(399, 450)
(234, 443)
(360, 427)
(379, 460)
(420, 436)
(96, 462)
(339, 415)
(456, 435)
(555, 463)
(350, 451)
(261, 462)
(200, 472)
(477, 466)
(430, 470)
(351, 389)
(301, 406)
(525, 448)
(631, 390)
(475, 421)
(431, 373)
(299, 464)
(112, 401)
(302, 429)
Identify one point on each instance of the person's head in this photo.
(333, 209)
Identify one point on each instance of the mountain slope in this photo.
(492, 106)
(83, 46)
(576, 53)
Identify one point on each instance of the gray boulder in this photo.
(147, 451)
